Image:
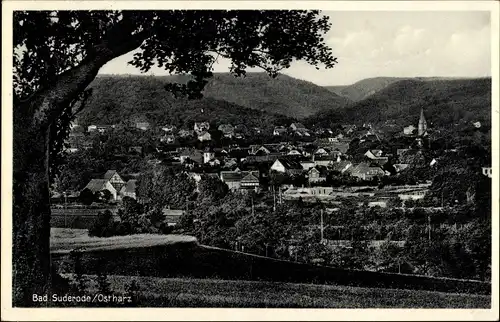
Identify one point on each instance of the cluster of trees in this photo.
(131, 218)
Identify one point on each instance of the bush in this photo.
(103, 225)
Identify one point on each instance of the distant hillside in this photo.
(124, 99)
(283, 95)
(445, 102)
(253, 100)
(366, 87)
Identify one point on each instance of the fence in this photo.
(192, 260)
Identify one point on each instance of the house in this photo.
(366, 171)
(306, 165)
(279, 131)
(204, 136)
(287, 166)
(100, 185)
(325, 160)
(477, 125)
(227, 130)
(128, 190)
(408, 130)
(295, 152)
(114, 178)
(185, 133)
(258, 150)
(250, 182)
(104, 128)
(234, 179)
(191, 154)
(92, 128)
(200, 127)
(341, 166)
(317, 174)
(415, 194)
(400, 167)
(298, 127)
(142, 125)
(172, 216)
(168, 138)
(168, 128)
(373, 154)
(208, 155)
(321, 151)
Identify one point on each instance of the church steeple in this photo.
(422, 124)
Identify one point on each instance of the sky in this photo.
(386, 43)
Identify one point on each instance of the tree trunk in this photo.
(31, 200)
(31, 215)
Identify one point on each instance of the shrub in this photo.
(103, 225)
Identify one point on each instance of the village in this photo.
(310, 165)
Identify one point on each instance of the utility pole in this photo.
(253, 212)
(65, 210)
(429, 224)
(274, 200)
(322, 226)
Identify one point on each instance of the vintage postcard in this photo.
(263, 160)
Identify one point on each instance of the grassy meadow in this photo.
(192, 292)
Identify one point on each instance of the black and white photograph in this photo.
(155, 156)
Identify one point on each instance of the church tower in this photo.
(422, 124)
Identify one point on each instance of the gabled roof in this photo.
(130, 186)
(109, 174)
(96, 185)
(339, 166)
(250, 178)
(298, 125)
(290, 164)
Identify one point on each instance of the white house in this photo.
(207, 156)
(279, 130)
(96, 185)
(287, 166)
(408, 130)
(200, 127)
(204, 136)
(92, 128)
(114, 178)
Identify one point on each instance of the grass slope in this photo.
(445, 102)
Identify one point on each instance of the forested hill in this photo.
(283, 95)
(445, 102)
(254, 99)
(369, 86)
(126, 99)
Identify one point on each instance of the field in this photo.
(176, 256)
(63, 241)
(190, 292)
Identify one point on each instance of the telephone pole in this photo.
(429, 224)
(322, 239)
(274, 200)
